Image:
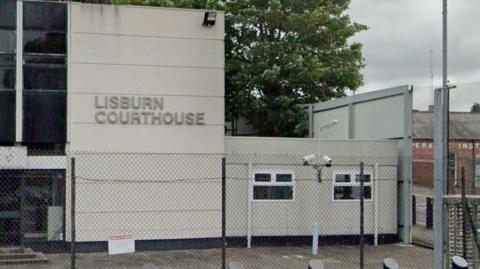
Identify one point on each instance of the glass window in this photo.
(8, 41)
(39, 77)
(8, 14)
(351, 192)
(366, 178)
(43, 42)
(284, 178)
(273, 186)
(7, 69)
(7, 78)
(346, 189)
(261, 177)
(44, 149)
(8, 60)
(44, 59)
(7, 116)
(273, 192)
(44, 16)
(342, 178)
(44, 73)
(44, 116)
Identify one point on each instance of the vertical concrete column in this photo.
(406, 171)
(439, 184)
(351, 121)
(311, 117)
(19, 76)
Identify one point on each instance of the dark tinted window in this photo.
(43, 42)
(44, 73)
(44, 116)
(366, 178)
(44, 16)
(342, 178)
(351, 192)
(8, 14)
(273, 193)
(7, 116)
(7, 78)
(7, 60)
(43, 59)
(7, 41)
(41, 77)
(284, 177)
(45, 149)
(259, 177)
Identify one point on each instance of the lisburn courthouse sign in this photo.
(141, 110)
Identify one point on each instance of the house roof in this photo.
(463, 125)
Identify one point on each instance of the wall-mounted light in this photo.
(210, 18)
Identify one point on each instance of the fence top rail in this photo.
(457, 199)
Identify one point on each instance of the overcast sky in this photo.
(402, 33)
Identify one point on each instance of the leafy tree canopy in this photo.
(284, 53)
(281, 54)
(211, 4)
(475, 108)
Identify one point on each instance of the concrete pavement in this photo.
(333, 257)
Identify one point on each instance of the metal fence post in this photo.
(224, 189)
(362, 241)
(464, 214)
(414, 210)
(22, 214)
(429, 217)
(439, 184)
(474, 156)
(72, 216)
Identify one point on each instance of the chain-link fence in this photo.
(158, 201)
(32, 205)
(127, 210)
(460, 167)
(276, 205)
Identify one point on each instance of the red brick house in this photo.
(464, 149)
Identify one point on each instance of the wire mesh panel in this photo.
(460, 239)
(135, 209)
(276, 205)
(32, 205)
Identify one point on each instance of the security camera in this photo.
(327, 160)
(317, 163)
(309, 159)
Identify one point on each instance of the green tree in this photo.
(475, 108)
(281, 54)
(284, 53)
(211, 4)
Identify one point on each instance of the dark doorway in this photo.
(31, 206)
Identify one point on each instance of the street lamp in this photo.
(318, 166)
(328, 125)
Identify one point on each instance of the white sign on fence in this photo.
(121, 244)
